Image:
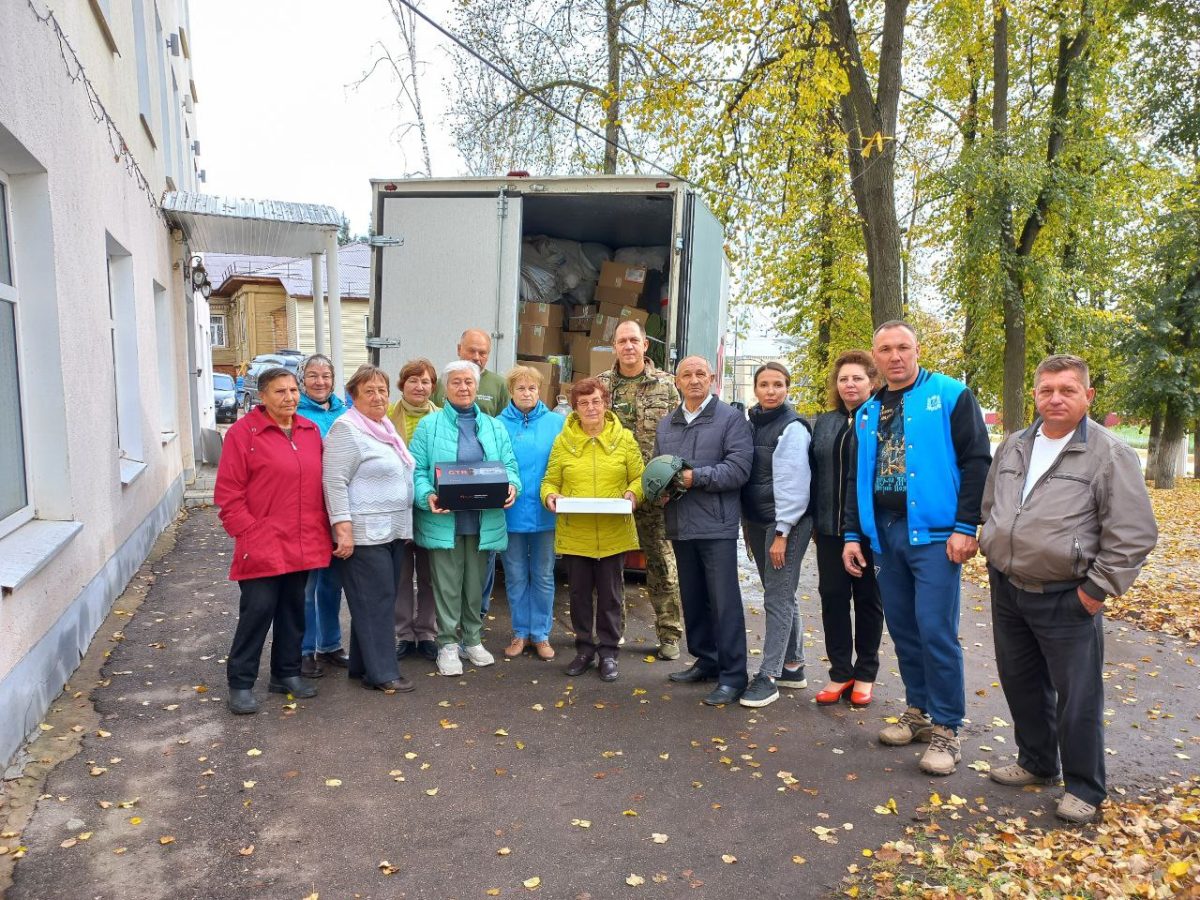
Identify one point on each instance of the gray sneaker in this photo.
(1016, 775)
(944, 752)
(762, 691)
(914, 725)
(668, 648)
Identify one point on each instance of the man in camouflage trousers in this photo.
(641, 395)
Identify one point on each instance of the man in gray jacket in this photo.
(1067, 524)
(714, 439)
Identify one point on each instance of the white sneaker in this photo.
(448, 662)
(478, 656)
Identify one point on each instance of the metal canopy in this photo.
(254, 227)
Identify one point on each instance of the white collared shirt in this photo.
(690, 417)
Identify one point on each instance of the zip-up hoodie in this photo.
(1087, 518)
(947, 453)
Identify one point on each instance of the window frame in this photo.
(212, 340)
(11, 294)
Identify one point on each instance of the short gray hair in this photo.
(316, 359)
(896, 323)
(460, 365)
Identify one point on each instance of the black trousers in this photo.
(371, 578)
(844, 633)
(1050, 655)
(713, 618)
(276, 601)
(603, 579)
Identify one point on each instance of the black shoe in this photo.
(723, 694)
(241, 702)
(428, 649)
(403, 648)
(608, 669)
(309, 667)
(338, 657)
(399, 685)
(761, 692)
(691, 675)
(579, 665)
(296, 686)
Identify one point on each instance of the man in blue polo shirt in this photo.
(914, 489)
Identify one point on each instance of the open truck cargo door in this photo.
(703, 286)
(456, 266)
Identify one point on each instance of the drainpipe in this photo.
(335, 313)
(318, 306)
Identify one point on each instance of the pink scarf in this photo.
(383, 431)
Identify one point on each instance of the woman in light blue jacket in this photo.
(529, 559)
(459, 541)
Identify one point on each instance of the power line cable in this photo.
(524, 89)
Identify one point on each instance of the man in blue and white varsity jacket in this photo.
(914, 489)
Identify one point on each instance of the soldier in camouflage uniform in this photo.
(641, 395)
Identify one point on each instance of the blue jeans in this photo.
(529, 582)
(322, 606)
(920, 589)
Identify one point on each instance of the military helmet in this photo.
(661, 478)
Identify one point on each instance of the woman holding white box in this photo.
(594, 458)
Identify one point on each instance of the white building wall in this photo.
(73, 207)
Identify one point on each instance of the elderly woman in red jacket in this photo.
(271, 501)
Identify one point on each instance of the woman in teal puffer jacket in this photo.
(459, 542)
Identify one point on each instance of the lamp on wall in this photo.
(198, 276)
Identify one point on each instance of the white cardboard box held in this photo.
(615, 506)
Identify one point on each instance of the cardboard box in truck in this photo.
(446, 256)
(541, 314)
(622, 277)
(539, 340)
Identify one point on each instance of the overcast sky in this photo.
(279, 115)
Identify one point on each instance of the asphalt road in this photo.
(471, 787)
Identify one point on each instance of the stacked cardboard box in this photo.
(540, 346)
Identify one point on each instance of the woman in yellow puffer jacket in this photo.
(594, 456)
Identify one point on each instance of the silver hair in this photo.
(316, 359)
(460, 365)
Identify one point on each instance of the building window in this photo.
(124, 333)
(216, 328)
(15, 507)
(142, 56)
(165, 333)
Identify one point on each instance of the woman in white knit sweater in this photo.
(368, 479)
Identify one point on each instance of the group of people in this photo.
(892, 484)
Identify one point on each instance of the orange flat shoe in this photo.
(861, 695)
(832, 692)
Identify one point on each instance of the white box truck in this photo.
(448, 257)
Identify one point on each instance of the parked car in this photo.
(224, 398)
(289, 359)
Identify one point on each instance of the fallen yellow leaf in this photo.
(254, 751)
(532, 883)
(166, 839)
(728, 858)
(635, 880)
(246, 851)
(333, 782)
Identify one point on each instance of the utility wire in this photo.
(524, 89)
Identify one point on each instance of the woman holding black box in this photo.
(459, 540)
(594, 457)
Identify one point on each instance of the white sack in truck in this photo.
(650, 257)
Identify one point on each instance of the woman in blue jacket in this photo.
(529, 559)
(459, 541)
